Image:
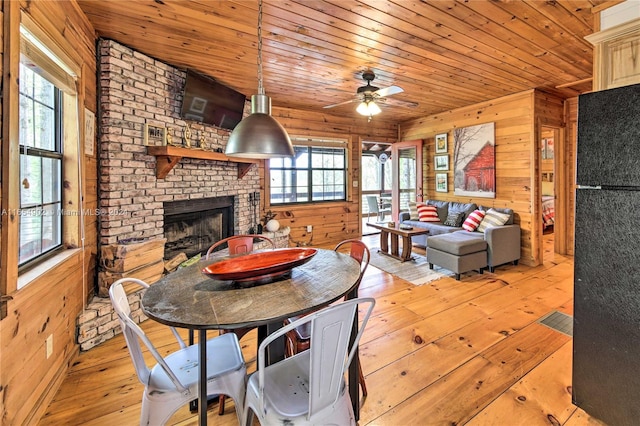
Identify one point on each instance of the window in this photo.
(40, 166)
(315, 173)
(47, 159)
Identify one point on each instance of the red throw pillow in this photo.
(427, 213)
(473, 221)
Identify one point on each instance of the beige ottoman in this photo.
(457, 252)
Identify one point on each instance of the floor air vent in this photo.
(558, 321)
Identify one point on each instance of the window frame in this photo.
(310, 143)
(57, 153)
(65, 69)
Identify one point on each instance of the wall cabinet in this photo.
(616, 60)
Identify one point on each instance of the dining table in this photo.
(187, 298)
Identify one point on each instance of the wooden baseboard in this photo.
(39, 409)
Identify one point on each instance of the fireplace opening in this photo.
(192, 226)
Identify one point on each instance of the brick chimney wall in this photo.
(135, 89)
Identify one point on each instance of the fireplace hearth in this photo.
(192, 226)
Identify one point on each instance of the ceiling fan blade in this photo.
(398, 102)
(388, 91)
(342, 103)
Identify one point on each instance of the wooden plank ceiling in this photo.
(444, 53)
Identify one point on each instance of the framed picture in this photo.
(547, 149)
(198, 105)
(442, 162)
(154, 135)
(441, 143)
(89, 131)
(474, 161)
(441, 182)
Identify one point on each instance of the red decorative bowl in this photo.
(254, 266)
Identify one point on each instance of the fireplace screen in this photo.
(191, 227)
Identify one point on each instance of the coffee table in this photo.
(393, 233)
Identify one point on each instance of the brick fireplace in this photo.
(134, 90)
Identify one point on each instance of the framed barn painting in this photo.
(474, 161)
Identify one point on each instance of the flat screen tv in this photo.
(210, 102)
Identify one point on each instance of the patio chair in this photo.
(299, 339)
(309, 387)
(374, 207)
(173, 381)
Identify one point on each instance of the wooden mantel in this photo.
(168, 156)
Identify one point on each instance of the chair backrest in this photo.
(133, 334)
(239, 244)
(330, 351)
(372, 202)
(359, 251)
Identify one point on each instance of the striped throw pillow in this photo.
(493, 218)
(427, 213)
(413, 211)
(473, 220)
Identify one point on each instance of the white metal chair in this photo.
(237, 245)
(309, 387)
(298, 339)
(374, 207)
(173, 381)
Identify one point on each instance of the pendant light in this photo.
(259, 135)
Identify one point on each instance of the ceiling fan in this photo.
(368, 95)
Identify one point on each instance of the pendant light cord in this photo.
(260, 87)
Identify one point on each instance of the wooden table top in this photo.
(189, 299)
(396, 229)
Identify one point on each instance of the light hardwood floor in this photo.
(449, 352)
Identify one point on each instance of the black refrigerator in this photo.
(606, 333)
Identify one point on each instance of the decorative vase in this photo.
(273, 225)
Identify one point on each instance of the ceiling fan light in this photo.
(363, 108)
(374, 108)
(368, 108)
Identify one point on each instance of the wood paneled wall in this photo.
(50, 304)
(517, 121)
(568, 194)
(331, 221)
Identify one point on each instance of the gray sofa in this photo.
(503, 242)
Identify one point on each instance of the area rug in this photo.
(415, 271)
